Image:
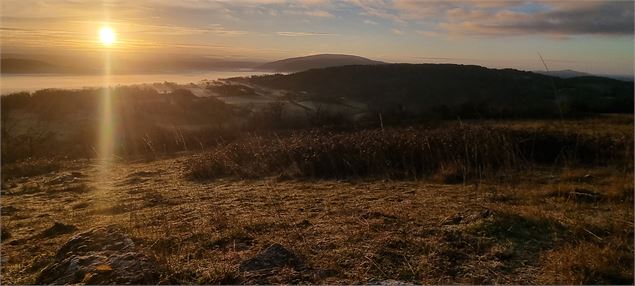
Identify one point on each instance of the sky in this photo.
(590, 36)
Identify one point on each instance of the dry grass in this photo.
(499, 231)
(564, 223)
(448, 153)
(590, 263)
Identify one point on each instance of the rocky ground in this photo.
(147, 223)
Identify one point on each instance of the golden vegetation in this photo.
(566, 219)
(450, 152)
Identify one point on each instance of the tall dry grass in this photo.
(452, 153)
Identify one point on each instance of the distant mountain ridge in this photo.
(316, 61)
(573, 73)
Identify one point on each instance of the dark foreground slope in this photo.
(450, 90)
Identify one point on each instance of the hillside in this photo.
(316, 61)
(449, 90)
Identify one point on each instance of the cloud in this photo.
(188, 21)
(604, 18)
(370, 22)
(303, 34)
(166, 30)
(319, 13)
(215, 29)
(496, 18)
(376, 8)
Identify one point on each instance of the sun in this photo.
(107, 36)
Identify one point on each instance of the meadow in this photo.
(535, 201)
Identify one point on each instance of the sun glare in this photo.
(107, 36)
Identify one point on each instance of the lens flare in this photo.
(106, 124)
(106, 145)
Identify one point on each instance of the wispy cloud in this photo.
(397, 32)
(370, 22)
(166, 30)
(303, 34)
(319, 13)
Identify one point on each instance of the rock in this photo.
(275, 256)
(57, 229)
(100, 256)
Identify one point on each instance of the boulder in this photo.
(102, 255)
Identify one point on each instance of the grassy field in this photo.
(522, 202)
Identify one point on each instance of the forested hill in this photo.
(449, 90)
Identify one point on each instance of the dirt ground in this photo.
(542, 226)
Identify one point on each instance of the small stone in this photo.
(275, 256)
